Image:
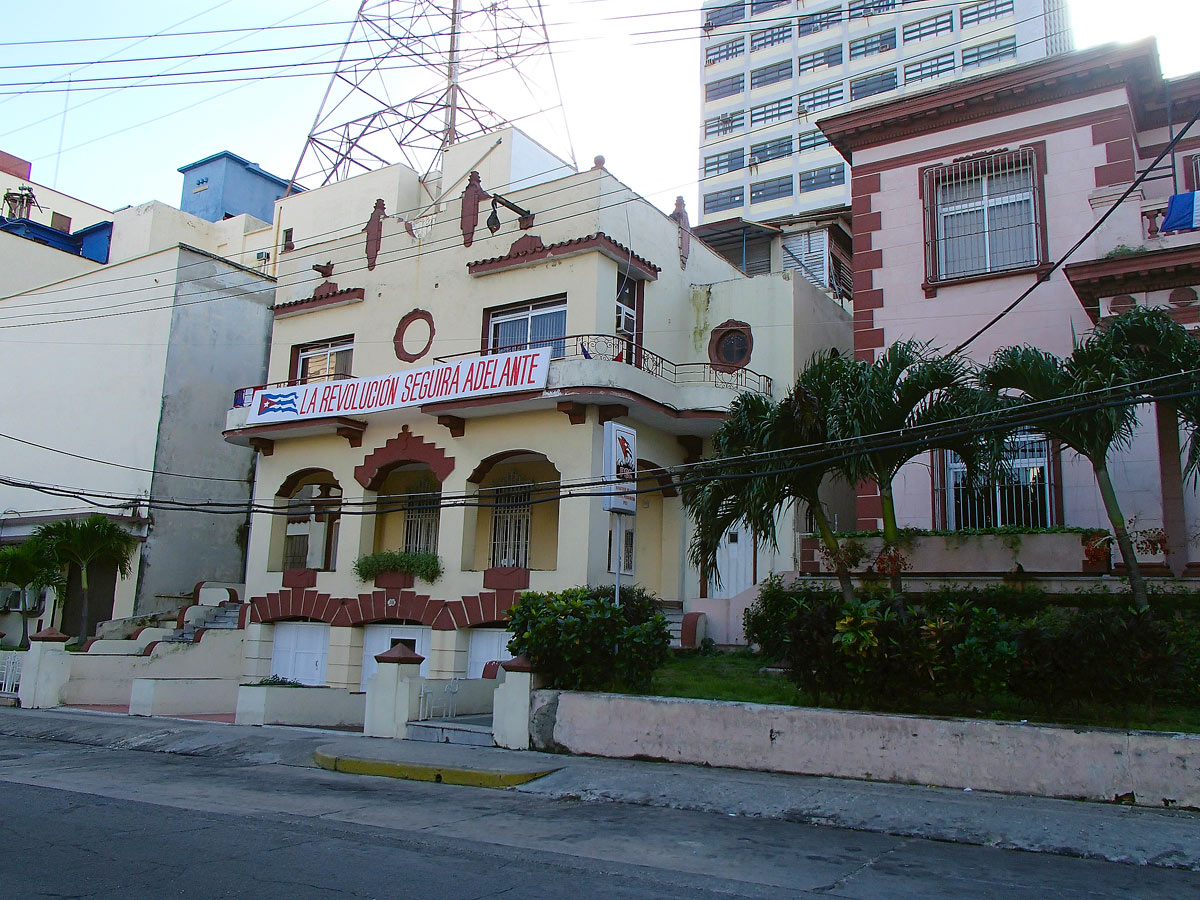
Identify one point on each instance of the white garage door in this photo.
(379, 638)
(299, 651)
(486, 644)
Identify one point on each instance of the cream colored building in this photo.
(640, 324)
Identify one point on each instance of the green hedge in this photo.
(426, 566)
(579, 639)
(883, 649)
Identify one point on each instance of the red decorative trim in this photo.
(400, 655)
(416, 315)
(728, 327)
(265, 446)
(524, 252)
(340, 424)
(292, 482)
(687, 630)
(648, 470)
(610, 411)
(456, 425)
(693, 447)
(50, 636)
(576, 412)
(405, 447)
(299, 578)
(507, 578)
(517, 664)
(1153, 270)
(490, 462)
(87, 645)
(148, 649)
(397, 580)
(491, 669)
(326, 294)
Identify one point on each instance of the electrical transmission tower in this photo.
(415, 76)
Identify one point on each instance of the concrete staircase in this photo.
(673, 610)
(224, 616)
(473, 731)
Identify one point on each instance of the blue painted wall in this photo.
(225, 184)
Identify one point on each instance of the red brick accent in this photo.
(865, 184)
(400, 654)
(1119, 151)
(868, 300)
(491, 669)
(1111, 130)
(860, 206)
(868, 339)
(403, 448)
(444, 621)
(1115, 173)
(500, 578)
(809, 548)
(15, 166)
(863, 280)
(517, 664)
(867, 224)
(300, 578)
(398, 580)
(473, 607)
(863, 318)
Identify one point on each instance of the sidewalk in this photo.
(1168, 838)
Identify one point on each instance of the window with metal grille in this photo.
(720, 163)
(722, 52)
(770, 37)
(984, 12)
(295, 551)
(826, 176)
(927, 28)
(770, 112)
(807, 251)
(771, 189)
(811, 140)
(926, 69)
(724, 15)
(719, 200)
(860, 9)
(819, 21)
(542, 324)
(873, 84)
(1021, 496)
(772, 74)
(724, 87)
(422, 512)
(822, 97)
(628, 539)
(760, 153)
(810, 62)
(724, 123)
(993, 51)
(762, 6)
(1195, 161)
(511, 518)
(982, 216)
(872, 44)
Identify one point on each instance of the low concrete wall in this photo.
(474, 696)
(263, 704)
(107, 679)
(182, 696)
(1048, 761)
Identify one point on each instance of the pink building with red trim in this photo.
(963, 196)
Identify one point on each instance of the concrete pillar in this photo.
(45, 670)
(394, 693)
(510, 704)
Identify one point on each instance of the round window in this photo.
(730, 346)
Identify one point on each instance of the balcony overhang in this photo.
(262, 437)
(1133, 273)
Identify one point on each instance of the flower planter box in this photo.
(397, 580)
(1050, 553)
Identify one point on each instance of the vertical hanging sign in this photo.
(620, 468)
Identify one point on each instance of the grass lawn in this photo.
(736, 676)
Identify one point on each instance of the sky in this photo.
(627, 69)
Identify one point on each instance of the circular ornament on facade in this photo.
(730, 346)
(403, 351)
(1121, 303)
(1183, 297)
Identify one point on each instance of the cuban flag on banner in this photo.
(1182, 212)
(277, 403)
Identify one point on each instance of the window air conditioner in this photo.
(626, 322)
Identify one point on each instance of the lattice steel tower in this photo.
(414, 76)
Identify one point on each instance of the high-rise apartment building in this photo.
(771, 68)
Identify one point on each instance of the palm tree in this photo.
(95, 539)
(909, 388)
(1028, 375)
(733, 490)
(29, 567)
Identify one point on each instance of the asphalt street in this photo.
(91, 822)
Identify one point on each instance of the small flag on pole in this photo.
(1182, 210)
(584, 350)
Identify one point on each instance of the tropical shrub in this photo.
(580, 639)
(426, 566)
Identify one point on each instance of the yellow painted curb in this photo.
(421, 772)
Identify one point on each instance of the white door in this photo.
(735, 561)
(380, 638)
(299, 651)
(485, 645)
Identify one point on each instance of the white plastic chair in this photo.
(447, 703)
